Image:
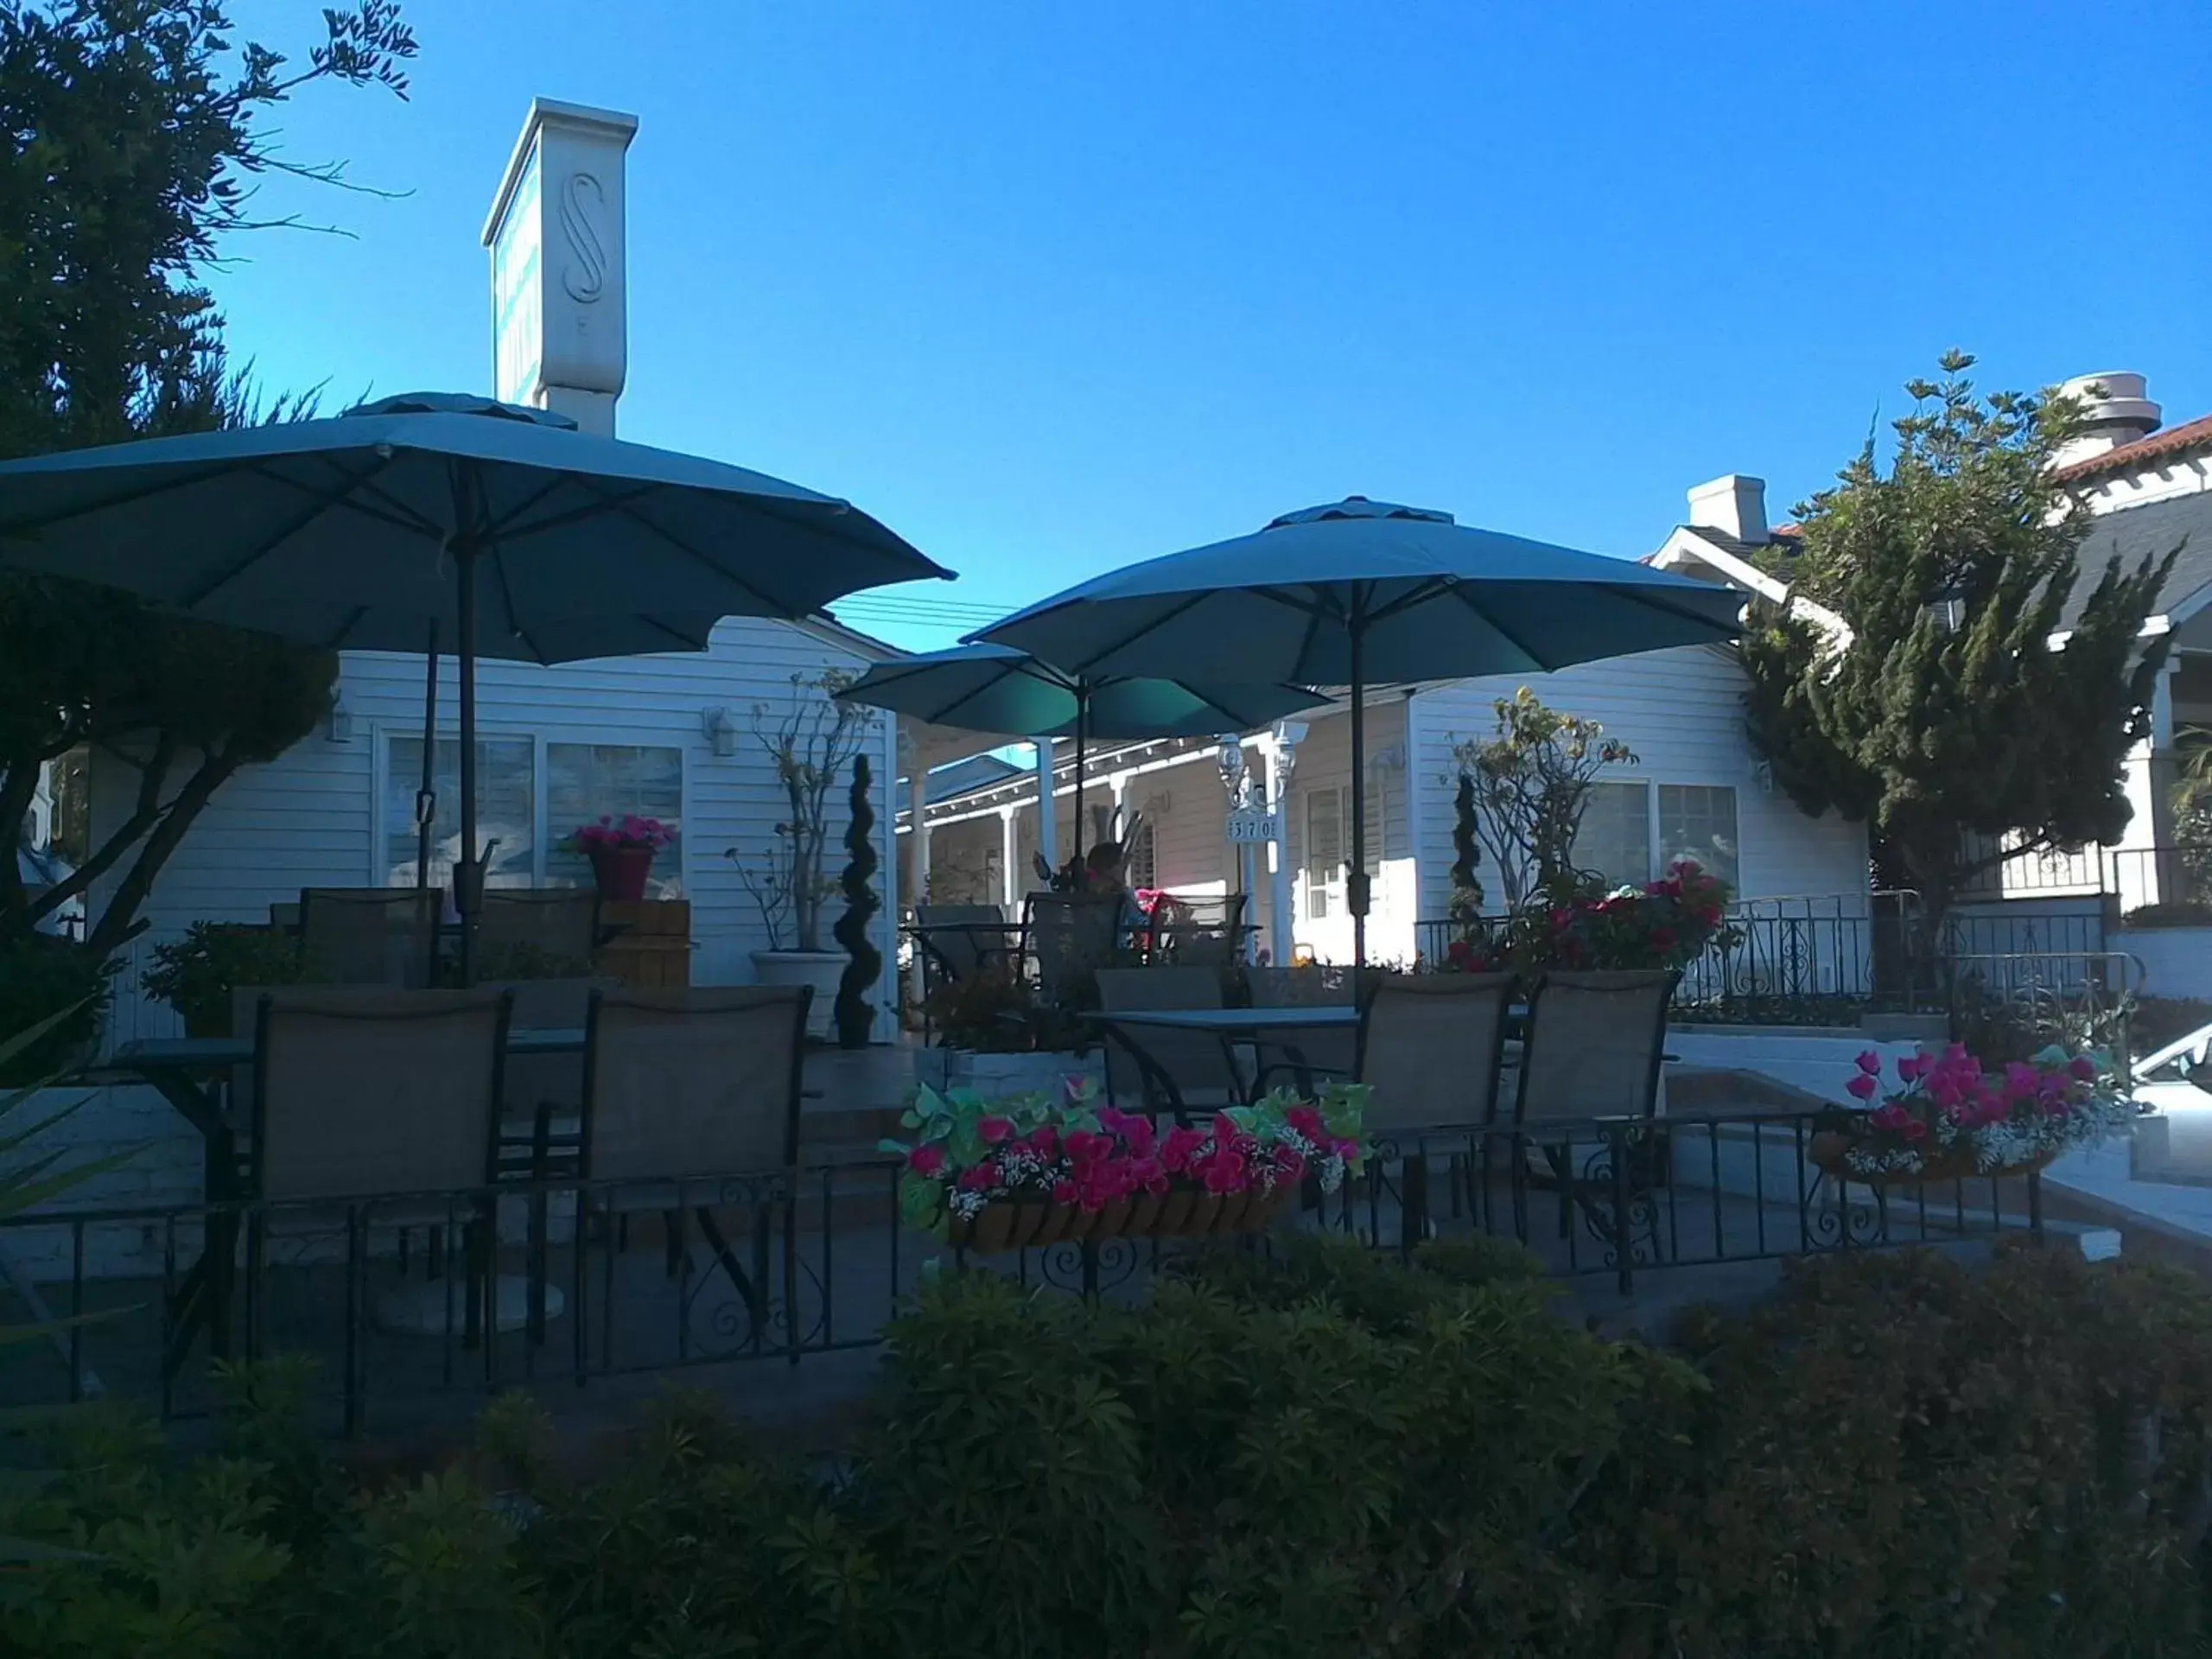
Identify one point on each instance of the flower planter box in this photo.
(1181, 1213)
(820, 969)
(1000, 1077)
(1830, 1152)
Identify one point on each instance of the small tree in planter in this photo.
(195, 974)
(1522, 796)
(812, 742)
(854, 1012)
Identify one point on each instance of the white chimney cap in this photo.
(2116, 397)
(1734, 505)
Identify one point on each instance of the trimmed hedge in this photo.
(1322, 1455)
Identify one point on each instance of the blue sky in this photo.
(1051, 288)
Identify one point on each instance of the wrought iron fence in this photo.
(579, 1283)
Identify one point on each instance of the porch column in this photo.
(918, 790)
(1280, 760)
(1009, 846)
(1048, 828)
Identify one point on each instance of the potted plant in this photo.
(997, 1041)
(1949, 1117)
(195, 974)
(1668, 923)
(621, 853)
(990, 1176)
(812, 740)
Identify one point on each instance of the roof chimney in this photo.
(1735, 505)
(2114, 412)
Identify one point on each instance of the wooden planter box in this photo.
(1829, 1152)
(653, 950)
(1023, 1224)
(998, 1076)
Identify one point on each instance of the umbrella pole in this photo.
(468, 873)
(1082, 720)
(426, 797)
(1356, 878)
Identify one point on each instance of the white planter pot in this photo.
(820, 969)
(996, 1077)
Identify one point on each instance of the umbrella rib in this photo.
(322, 505)
(1466, 598)
(1189, 604)
(106, 503)
(401, 514)
(1419, 595)
(623, 508)
(503, 525)
(337, 641)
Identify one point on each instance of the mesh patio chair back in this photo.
(1197, 1064)
(1431, 1044)
(1328, 1051)
(553, 1081)
(557, 925)
(1205, 932)
(951, 949)
(1595, 1043)
(359, 1092)
(693, 1082)
(1071, 936)
(372, 936)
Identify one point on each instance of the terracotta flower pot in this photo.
(620, 873)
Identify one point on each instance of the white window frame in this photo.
(1329, 889)
(541, 839)
(1658, 841)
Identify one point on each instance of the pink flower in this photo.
(1870, 1063)
(1177, 1146)
(1047, 1139)
(975, 1177)
(1862, 1086)
(1889, 1118)
(1306, 1120)
(1064, 1191)
(995, 1129)
(1290, 1165)
(926, 1160)
(1916, 1130)
(2081, 1069)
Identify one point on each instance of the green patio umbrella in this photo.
(986, 687)
(1360, 591)
(433, 518)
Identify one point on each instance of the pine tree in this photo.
(1930, 695)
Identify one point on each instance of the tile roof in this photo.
(2131, 457)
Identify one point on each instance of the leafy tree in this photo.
(1927, 694)
(133, 146)
(1522, 796)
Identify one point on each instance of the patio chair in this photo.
(1167, 1070)
(556, 929)
(378, 1102)
(955, 942)
(1069, 937)
(1197, 933)
(1431, 1046)
(372, 936)
(691, 1102)
(1596, 1042)
(1305, 1055)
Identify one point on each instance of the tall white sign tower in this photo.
(560, 334)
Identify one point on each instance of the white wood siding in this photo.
(1681, 712)
(311, 817)
(1325, 762)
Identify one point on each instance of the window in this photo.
(1614, 839)
(1325, 853)
(1699, 821)
(506, 810)
(528, 795)
(584, 781)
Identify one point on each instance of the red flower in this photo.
(1064, 1191)
(995, 1129)
(1915, 1131)
(975, 1177)
(926, 1160)
(1861, 1086)
(2081, 1069)
(1306, 1120)
(1047, 1139)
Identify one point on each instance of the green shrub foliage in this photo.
(1324, 1453)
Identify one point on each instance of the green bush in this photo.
(196, 973)
(42, 976)
(1328, 1454)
